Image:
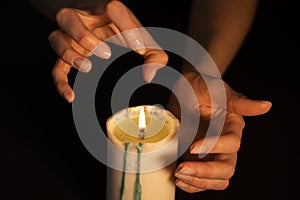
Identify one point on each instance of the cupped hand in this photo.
(214, 171)
(82, 33)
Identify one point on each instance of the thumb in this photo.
(244, 106)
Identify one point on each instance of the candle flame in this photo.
(142, 120)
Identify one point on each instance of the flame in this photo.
(142, 120)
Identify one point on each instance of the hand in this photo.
(82, 33)
(214, 171)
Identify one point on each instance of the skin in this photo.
(82, 33)
(220, 26)
(214, 171)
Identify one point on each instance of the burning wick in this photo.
(142, 123)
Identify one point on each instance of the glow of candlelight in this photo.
(142, 120)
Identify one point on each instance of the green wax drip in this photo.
(124, 169)
(138, 187)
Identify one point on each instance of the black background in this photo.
(42, 156)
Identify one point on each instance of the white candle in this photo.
(148, 137)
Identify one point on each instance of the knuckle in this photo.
(81, 37)
(158, 55)
(236, 143)
(114, 6)
(62, 13)
(230, 170)
(224, 185)
(59, 86)
(65, 55)
(205, 173)
(52, 35)
(164, 57)
(100, 32)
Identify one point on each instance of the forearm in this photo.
(221, 26)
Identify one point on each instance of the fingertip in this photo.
(84, 65)
(249, 107)
(71, 97)
(179, 167)
(268, 104)
(265, 106)
(150, 70)
(68, 96)
(148, 76)
(102, 50)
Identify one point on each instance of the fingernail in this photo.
(102, 51)
(150, 76)
(68, 97)
(83, 65)
(198, 150)
(181, 184)
(264, 102)
(268, 102)
(184, 177)
(186, 171)
(138, 46)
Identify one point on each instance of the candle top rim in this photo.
(170, 125)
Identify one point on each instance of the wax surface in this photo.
(122, 136)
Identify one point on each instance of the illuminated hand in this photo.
(82, 33)
(214, 171)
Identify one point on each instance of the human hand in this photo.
(214, 171)
(82, 34)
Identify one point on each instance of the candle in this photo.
(144, 156)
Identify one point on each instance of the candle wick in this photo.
(142, 133)
(142, 130)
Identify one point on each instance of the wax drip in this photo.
(124, 170)
(138, 187)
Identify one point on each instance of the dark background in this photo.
(42, 156)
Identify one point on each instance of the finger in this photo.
(105, 32)
(190, 183)
(61, 44)
(155, 59)
(70, 22)
(60, 77)
(248, 107)
(118, 13)
(244, 106)
(137, 38)
(216, 169)
(187, 187)
(228, 142)
(154, 53)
